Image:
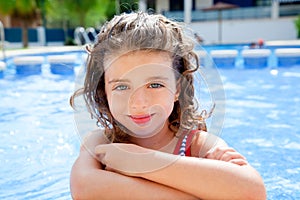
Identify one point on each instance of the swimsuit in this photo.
(183, 147)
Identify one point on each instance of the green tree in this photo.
(128, 5)
(85, 13)
(297, 24)
(26, 11)
(68, 14)
(74, 13)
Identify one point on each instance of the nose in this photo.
(139, 100)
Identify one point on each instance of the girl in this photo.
(139, 87)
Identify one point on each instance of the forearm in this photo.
(88, 181)
(116, 186)
(210, 179)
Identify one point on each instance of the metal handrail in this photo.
(2, 36)
(81, 37)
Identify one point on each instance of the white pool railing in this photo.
(256, 58)
(287, 57)
(28, 65)
(224, 58)
(62, 64)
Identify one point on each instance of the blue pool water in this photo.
(38, 137)
(262, 121)
(39, 142)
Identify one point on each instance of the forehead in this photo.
(139, 63)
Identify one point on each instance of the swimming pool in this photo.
(38, 138)
(262, 120)
(39, 142)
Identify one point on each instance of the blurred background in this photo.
(254, 44)
(54, 22)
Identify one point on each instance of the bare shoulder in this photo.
(204, 142)
(94, 138)
(87, 159)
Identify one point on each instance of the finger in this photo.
(218, 152)
(230, 156)
(239, 161)
(226, 152)
(109, 169)
(101, 158)
(101, 149)
(211, 155)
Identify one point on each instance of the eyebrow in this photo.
(157, 78)
(118, 80)
(148, 79)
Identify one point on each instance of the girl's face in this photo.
(141, 90)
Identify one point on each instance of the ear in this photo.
(178, 89)
(176, 97)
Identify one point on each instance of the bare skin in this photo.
(140, 170)
(226, 171)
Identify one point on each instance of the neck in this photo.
(157, 141)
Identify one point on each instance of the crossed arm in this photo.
(180, 178)
(90, 181)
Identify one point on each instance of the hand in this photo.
(132, 160)
(226, 154)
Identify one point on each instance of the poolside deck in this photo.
(40, 50)
(283, 43)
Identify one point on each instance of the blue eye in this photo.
(155, 85)
(121, 87)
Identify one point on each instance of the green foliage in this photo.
(110, 10)
(26, 7)
(67, 13)
(69, 42)
(22, 9)
(64, 13)
(97, 14)
(6, 7)
(128, 5)
(26, 11)
(74, 13)
(297, 24)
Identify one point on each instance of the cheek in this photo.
(117, 104)
(167, 103)
(169, 108)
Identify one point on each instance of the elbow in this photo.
(78, 185)
(256, 192)
(253, 186)
(77, 188)
(77, 196)
(76, 193)
(260, 193)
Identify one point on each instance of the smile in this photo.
(141, 119)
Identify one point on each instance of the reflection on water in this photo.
(262, 117)
(38, 140)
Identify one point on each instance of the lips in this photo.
(140, 119)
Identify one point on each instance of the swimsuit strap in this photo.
(183, 147)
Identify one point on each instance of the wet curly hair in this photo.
(134, 32)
